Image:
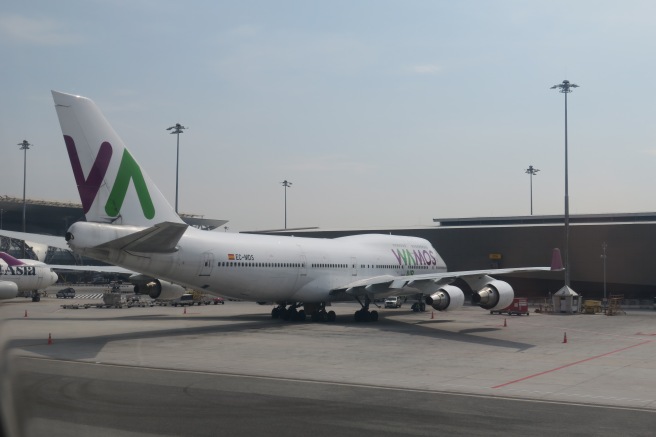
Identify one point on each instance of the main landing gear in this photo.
(418, 306)
(317, 312)
(363, 314)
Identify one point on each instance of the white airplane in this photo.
(130, 224)
(23, 275)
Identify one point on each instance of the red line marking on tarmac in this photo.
(570, 365)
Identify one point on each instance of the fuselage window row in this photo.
(318, 265)
(265, 265)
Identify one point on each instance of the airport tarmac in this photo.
(465, 372)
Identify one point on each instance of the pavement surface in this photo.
(174, 371)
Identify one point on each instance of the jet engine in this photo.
(495, 295)
(158, 289)
(8, 290)
(447, 298)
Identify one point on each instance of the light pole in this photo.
(177, 130)
(24, 146)
(604, 246)
(532, 172)
(566, 87)
(286, 184)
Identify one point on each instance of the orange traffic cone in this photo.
(504, 323)
(25, 313)
(565, 338)
(49, 338)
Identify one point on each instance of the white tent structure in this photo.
(566, 301)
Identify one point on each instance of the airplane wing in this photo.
(412, 284)
(50, 240)
(383, 285)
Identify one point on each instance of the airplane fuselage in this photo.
(265, 267)
(14, 279)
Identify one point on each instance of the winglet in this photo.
(10, 260)
(556, 260)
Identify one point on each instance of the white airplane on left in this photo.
(18, 275)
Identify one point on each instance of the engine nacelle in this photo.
(495, 295)
(447, 298)
(159, 289)
(8, 290)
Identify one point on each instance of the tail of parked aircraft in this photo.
(113, 187)
(10, 260)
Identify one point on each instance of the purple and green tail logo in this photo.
(89, 186)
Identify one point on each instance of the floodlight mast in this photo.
(177, 130)
(566, 87)
(532, 172)
(24, 146)
(286, 184)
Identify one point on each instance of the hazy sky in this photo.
(381, 113)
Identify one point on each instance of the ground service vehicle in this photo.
(518, 307)
(66, 292)
(393, 302)
(186, 299)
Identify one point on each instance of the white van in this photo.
(393, 302)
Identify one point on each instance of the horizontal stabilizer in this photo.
(161, 238)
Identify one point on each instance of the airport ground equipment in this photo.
(615, 305)
(518, 307)
(591, 306)
(137, 301)
(110, 300)
(191, 299)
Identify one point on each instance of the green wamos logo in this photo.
(129, 170)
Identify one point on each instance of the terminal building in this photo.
(609, 254)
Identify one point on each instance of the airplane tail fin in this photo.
(10, 260)
(113, 187)
(556, 260)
